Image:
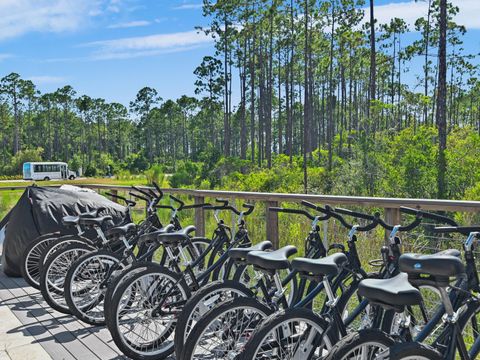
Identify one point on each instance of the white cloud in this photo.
(46, 79)
(129, 24)
(5, 56)
(148, 45)
(412, 10)
(188, 6)
(23, 16)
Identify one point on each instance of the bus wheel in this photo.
(46, 178)
(71, 177)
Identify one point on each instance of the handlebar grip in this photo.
(127, 201)
(308, 204)
(165, 207)
(195, 206)
(182, 204)
(292, 211)
(315, 207)
(465, 230)
(142, 192)
(250, 208)
(354, 214)
(222, 201)
(139, 196)
(428, 215)
(160, 192)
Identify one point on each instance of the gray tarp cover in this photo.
(39, 211)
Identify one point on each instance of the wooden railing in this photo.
(390, 205)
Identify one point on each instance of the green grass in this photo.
(104, 181)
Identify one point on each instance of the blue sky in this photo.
(112, 48)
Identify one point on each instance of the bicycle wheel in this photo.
(146, 308)
(414, 351)
(83, 292)
(223, 331)
(290, 334)
(52, 277)
(116, 281)
(31, 258)
(206, 298)
(59, 243)
(247, 275)
(364, 344)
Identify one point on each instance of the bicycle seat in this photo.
(120, 230)
(97, 221)
(152, 236)
(177, 237)
(450, 252)
(272, 260)
(396, 291)
(329, 265)
(435, 265)
(241, 253)
(70, 220)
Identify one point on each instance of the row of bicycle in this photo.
(159, 290)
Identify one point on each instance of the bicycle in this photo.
(461, 307)
(88, 278)
(157, 295)
(221, 291)
(328, 327)
(59, 256)
(225, 329)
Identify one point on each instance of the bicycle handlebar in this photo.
(293, 211)
(127, 201)
(427, 215)
(139, 196)
(160, 192)
(464, 230)
(182, 204)
(314, 207)
(411, 226)
(225, 206)
(145, 193)
(356, 214)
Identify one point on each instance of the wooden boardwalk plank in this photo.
(87, 334)
(62, 336)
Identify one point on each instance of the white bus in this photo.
(47, 171)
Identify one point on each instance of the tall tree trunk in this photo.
(441, 113)
(373, 61)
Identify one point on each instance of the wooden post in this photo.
(272, 224)
(392, 217)
(114, 192)
(199, 216)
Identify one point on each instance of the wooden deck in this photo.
(31, 330)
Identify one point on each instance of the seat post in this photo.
(332, 299)
(79, 229)
(101, 234)
(446, 302)
(278, 284)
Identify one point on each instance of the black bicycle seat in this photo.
(176, 237)
(450, 252)
(396, 291)
(330, 265)
(120, 230)
(241, 253)
(435, 265)
(152, 236)
(273, 260)
(98, 221)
